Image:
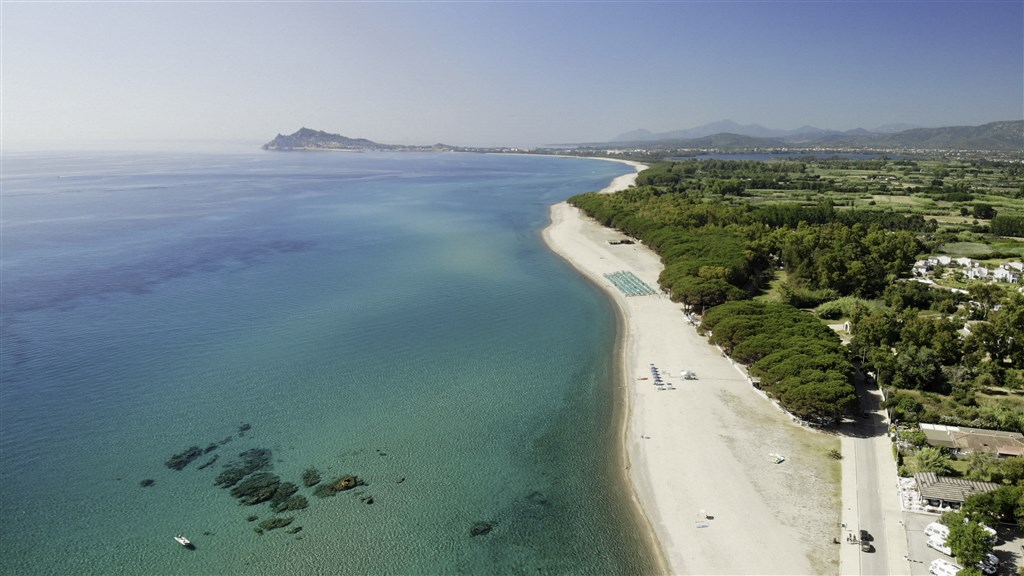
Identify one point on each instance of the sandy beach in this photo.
(700, 456)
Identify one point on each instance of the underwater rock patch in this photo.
(252, 461)
(291, 503)
(276, 522)
(324, 491)
(481, 529)
(209, 462)
(147, 482)
(311, 477)
(257, 488)
(182, 459)
(284, 491)
(537, 498)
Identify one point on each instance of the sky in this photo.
(497, 73)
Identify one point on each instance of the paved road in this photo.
(869, 493)
(870, 499)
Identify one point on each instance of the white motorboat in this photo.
(180, 539)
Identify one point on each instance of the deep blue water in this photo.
(392, 316)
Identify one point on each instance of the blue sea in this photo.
(391, 316)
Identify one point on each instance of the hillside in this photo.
(1006, 136)
(305, 139)
(991, 136)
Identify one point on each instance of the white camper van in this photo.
(941, 567)
(936, 530)
(940, 545)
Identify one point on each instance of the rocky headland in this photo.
(309, 139)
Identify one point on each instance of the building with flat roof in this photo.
(964, 440)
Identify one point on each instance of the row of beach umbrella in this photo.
(629, 284)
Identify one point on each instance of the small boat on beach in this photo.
(181, 539)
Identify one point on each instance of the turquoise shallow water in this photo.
(393, 316)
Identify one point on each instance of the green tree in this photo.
(1004, 504)
(701, 293)
(1008, 225)
(874, 330)
(985, 211)
(1008, 322)
(968, 542)
(906, 408)
(988, 295)
(914, 437)
(1012, 470)
(918, 369)
(931, 459)
(981, 466)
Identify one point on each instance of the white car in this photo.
(941, 567)
(940, 545)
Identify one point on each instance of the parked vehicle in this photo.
(941, 567)
(940, 545)
(937, 530)
(989, 565)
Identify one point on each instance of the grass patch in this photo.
(960, 467)
(772, 294)
(968, 249)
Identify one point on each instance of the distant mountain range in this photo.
(727, 135)
(308, 139)
(755, 130)
(1003, 136)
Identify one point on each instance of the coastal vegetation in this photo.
(773, 252)
(798, 360)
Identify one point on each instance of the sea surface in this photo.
(391, 316)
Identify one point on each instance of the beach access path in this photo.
(701, 456)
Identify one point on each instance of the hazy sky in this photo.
(499, 72)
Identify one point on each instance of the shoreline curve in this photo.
(696, 457)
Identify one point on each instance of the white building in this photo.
(1006, 274)
(977, 273)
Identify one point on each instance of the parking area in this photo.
(1009, 549)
